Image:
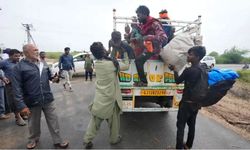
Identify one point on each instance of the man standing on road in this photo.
(7, 66)
(188, 108)
(107, 103)
(66, 65)
(42, 56)
(33, 95)
(88, 66)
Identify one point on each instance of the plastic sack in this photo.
(175, 51)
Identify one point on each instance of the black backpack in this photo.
(200, 89)
(207, 95)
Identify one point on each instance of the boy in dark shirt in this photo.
(188, 109)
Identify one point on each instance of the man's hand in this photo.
(148, 38)
(55, 79)
(171, 67)
(74, 69)
(6, 80)
(25, 111)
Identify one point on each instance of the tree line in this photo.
(232, 56)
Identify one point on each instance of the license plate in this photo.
(127, 104)
(153, 93)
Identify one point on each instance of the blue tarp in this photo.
(216, 75)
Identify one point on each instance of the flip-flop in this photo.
(31, 145)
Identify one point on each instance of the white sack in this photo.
(175, 51)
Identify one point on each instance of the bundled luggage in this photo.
(213, 85)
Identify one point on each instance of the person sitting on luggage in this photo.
(153, 36)
(120, 49)
(188, 108)
(169, 30)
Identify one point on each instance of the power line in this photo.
(28, 27)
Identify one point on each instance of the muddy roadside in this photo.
(233, 111)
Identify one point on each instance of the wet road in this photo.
(139, 130)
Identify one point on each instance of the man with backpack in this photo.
(189, 106)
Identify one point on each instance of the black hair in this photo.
(66, 49)
(199, 51)
(143, 10)
(163, 11)
(42, 52)
(116, 35)
(13, 51)
(99, 52)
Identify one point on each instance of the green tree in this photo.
(214, 54)
(233, 56)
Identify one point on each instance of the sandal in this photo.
(62, 145)
(31, 145)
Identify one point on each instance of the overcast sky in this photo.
(78, 23)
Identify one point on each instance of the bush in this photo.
(56, 55)
(53, 55)
(244, 75)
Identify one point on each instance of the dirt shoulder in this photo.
(233, 111)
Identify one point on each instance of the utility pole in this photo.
(28, 27)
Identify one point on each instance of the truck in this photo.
(161, 94)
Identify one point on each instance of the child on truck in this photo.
(188, 109)
(118, 48)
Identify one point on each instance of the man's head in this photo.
(142, 13)
(14, 55)
(163, 14)
(196, 53)
(42, 55)
(66, 50)
(116, 37)
(87, 55)
(98, 50)
(31, 52)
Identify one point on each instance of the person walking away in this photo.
(153, 37)
(107, 103)
(3, 81)
(7, 66)
(188, 108)
(66, 65)
(88, 66)
(33, 95)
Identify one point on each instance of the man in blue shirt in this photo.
(7, 67)
(66, 65)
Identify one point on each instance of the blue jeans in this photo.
(2, 103)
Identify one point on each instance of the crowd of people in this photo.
(26, 82)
